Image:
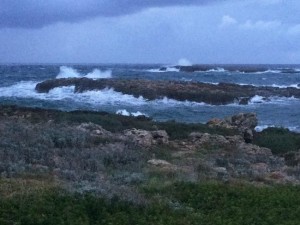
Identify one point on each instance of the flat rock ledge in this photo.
(220, 94)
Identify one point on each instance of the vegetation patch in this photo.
(177, 203)
(279, 140)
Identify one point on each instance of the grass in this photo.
(35, 199)
(177, 203)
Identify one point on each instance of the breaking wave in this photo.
(69, 72)
(124, 112)
(272, 100)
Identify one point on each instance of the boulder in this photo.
(160, 137)
(159, 163)
(243, 121)
(147, 138)
(94, 129)
(208, 140)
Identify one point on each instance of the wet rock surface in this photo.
(222, 93)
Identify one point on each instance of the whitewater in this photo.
(17, 86)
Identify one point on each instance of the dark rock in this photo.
(244, 120)
(244, 101)
(163, 69)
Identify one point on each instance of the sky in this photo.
(150, 31)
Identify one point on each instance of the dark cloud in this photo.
(39, 13)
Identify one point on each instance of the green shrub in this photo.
(178, 203)
(279, 140)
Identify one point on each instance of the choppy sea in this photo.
(17, 86)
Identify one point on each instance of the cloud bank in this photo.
(37, 13)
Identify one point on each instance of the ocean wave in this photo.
(124, 112)
(97, 74)
(106, 96)
(286, 86)
(272, 100)
(266, 71)
(69, 72)
(216, 70)
(111, 97)
(297, 86)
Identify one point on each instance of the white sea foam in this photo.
(113, 98)
(260, 128)
(172, 69)
(97, 74)
(273, 100)
(155, 70)
(286, 86)
(217, 70)
(124, 112)
(257, 99)
(272, 85)
(267, 71)
(69, 72)
(100, 97)
(22, 89)
(172, 102)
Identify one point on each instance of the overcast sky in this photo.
(149, 31)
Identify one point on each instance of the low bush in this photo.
(279, 140)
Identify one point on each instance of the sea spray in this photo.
(67, 72)
(98, 74)
(70, 72)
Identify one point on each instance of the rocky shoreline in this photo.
(215, 94)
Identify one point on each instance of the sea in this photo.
(17, 87)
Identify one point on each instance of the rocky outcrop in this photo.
(231, 68)
(222, 93)
(147, 138)
(230, 157)
(243, 122)
(94, 130)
